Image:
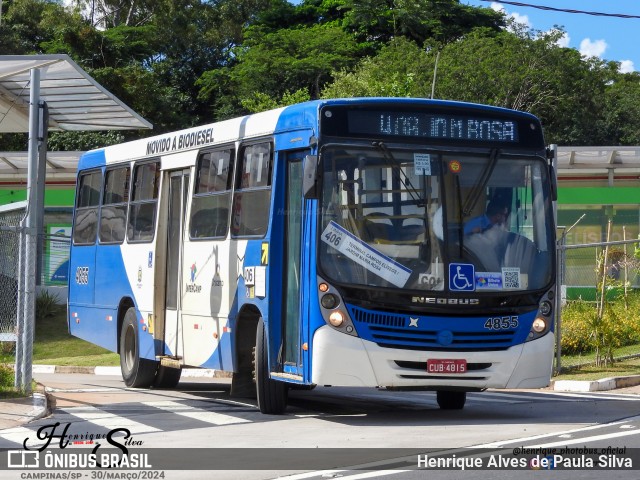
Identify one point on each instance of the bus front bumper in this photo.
(342, 360)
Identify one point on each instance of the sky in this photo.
(609, 38)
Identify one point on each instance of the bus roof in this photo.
(295, 117)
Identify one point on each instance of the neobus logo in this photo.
(446, 301)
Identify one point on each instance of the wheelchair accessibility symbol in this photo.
(462, 277)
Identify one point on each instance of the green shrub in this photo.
(6, 376)
(619, 326)
(47, 305)
(575, 328)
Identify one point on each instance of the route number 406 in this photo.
(333, 238)
(501, 323)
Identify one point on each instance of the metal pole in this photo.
(560, 277)
(20, 303)
(435, 73)
(43, 121)
(31, 233)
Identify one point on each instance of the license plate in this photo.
(446, 366)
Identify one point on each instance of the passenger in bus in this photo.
(496, 214)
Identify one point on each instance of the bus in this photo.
(323, 244)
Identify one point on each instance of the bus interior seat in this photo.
(375, 230)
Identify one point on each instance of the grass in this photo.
(582, 367)
(589, 358)
(620, 368)
(54, 346)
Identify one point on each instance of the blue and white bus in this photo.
(324, 244)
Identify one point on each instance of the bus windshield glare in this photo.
(408, 217)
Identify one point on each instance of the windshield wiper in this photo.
(479, 186)
(396, 167)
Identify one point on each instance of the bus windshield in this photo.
(422, 219)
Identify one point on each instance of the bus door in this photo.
(177, 196)
(293, 270)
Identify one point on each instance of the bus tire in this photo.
(272, 395)
(136, 372)
(167, 377)
(451, 400)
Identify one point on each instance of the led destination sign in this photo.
(435, 126)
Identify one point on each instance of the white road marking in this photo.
(195, 413)
(108, 420)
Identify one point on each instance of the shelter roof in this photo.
(75, 100)
(598, 158)
(60, 165)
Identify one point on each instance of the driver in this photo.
(496, 214)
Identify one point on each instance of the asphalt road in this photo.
(198, 429)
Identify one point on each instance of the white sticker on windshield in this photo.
(422, 163)
(511, 277)
(361, 253)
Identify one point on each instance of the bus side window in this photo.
(113, 214)
(252, 198)
(85, 224)
(143, 205)
(210, 203)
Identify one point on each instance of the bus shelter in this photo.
(39, 93)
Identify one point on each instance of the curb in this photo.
(596, 385)
(186, 372)
(40, 403)
(40, 406)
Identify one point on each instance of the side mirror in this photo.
(310, 177)
(554, 183)
(552, 156)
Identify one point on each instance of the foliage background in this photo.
(621, 324)
(181, 63)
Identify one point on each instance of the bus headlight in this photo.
(543, 322)
(336, 318)
(539, 325)
(329, 301)
(545, 308)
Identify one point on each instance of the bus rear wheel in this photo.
(451, 400)
(136, 372)
(272, 395)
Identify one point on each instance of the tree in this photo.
(621, 110)
(261, 102)
(28, 23)
(441, 21)
(401, 69)
(107, 14)
(287, 60)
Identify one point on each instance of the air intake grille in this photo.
(392, 330)
(378, 318)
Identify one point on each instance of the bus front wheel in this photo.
(137, 372)
(167, 377)
(272, 395)
(451, 400)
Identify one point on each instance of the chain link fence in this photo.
(10, 238)
(18, 292)
(581, 270)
